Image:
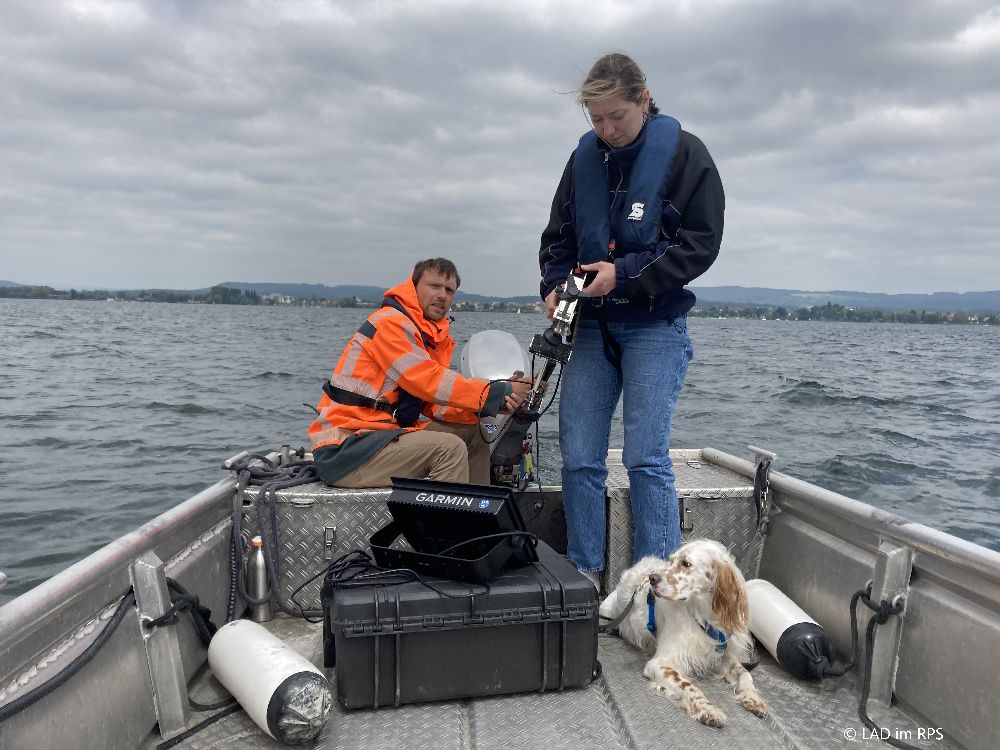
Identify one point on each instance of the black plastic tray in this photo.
(467, 532)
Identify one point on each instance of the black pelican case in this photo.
(530, 629)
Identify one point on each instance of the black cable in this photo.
(533, 416)
(270, 479)
(505, 534)
(882, 612)
(538, 448)
(555, 390)
(302, 472)
(248, 459)
(441, 592)
(357, 561)
(355, 569)
(308, 614)
(174, 741)
(614, 622)
(234, 555)
(19, 704)
(183, 601)
(540, 503)
(354, 562)
(482, 402)
(838, 670)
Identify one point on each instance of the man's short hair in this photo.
(442, 266)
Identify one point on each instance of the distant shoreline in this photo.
(841, 314)
(227, 296)
(223, 295)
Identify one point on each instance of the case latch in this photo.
(329, 538)
(686, 526)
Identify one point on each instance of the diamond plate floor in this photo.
(616, 711)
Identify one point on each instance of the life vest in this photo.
(395, 367)
(639, 227)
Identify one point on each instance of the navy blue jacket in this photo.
(652, 267)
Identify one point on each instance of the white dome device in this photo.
(493, 355)
(496, 355)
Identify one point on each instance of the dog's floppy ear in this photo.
(729, 602)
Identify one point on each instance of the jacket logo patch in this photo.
(637, 209)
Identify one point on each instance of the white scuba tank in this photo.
(280, 689)
(493, 355)
(791, 636)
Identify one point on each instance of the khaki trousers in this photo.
(443, 450)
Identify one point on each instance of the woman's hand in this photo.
(551, 302)
(603, 283)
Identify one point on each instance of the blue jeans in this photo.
(655, 359)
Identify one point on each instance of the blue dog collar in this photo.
(720, 637)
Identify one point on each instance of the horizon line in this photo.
(9, 282)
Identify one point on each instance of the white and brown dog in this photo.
(701, 615)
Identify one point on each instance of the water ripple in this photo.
(906, 418)
(185, 408)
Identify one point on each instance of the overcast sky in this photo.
(181, 144)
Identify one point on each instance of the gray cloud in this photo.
(180, 144)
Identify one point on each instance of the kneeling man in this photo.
(395, 370)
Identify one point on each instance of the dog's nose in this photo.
(654, 578)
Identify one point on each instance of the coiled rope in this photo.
(258, 470)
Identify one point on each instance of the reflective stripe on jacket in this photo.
(392, 353)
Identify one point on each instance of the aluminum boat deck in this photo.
(933, 678)
(615, 711)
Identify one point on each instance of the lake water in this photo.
(112, 412)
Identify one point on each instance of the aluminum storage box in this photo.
(715, 503)
(317, 524)
(532, 629)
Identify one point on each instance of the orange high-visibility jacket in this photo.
(391, 353)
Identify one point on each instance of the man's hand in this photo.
(519, 389)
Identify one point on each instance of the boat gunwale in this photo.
(48, 611)
(884, 524)
(95, 575)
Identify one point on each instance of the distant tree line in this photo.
(839, 313)
(217, 295)
(223, 295)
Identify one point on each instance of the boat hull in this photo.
(933, 669)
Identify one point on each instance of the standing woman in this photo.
(640, 205)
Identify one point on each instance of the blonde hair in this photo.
(615, 75)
